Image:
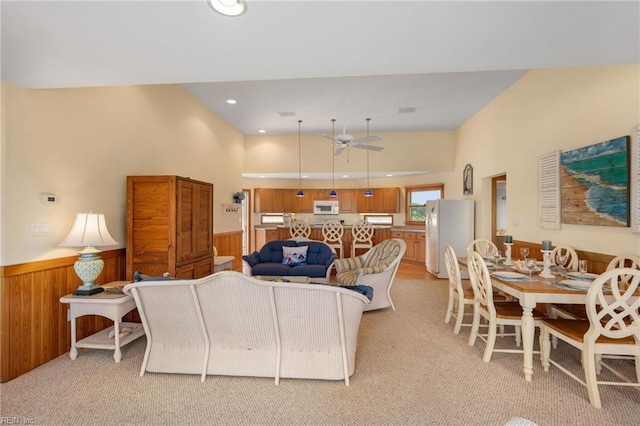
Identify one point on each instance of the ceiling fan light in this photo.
(300, 193)
(368, 193)
(228, 7)
(333, 193)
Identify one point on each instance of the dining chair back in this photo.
(459, 296)
(612, 327)
(624, 261)
(332, 231)
(485, 248)
(299, 229)
(496, 313)
(362, 233)
(565, 257)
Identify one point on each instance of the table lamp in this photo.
(89, 231)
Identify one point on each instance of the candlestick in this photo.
(507, 253)
(508, 239)
(546, 268)
(546, 245)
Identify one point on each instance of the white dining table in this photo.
(529, 294)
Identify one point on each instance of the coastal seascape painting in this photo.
(595, 184)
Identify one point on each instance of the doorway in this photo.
(499, 210)
(246, 222)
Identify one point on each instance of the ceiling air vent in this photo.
(407, 110)
(287, 114)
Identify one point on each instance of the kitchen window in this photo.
(416, 201)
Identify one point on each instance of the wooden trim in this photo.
(494, 207)
(34, 327)
(230, 244)
(60, 262)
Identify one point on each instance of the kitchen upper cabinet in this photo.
(383, 200)
(347, 200)
(273, 200)
(304, 204)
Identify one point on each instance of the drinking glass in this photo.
(531, 266)
(524, 251)
(497, 256)
(562, 260)
(582, 266)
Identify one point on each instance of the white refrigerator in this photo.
(447, 222)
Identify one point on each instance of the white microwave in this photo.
(326, 207)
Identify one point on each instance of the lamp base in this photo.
(82, 292)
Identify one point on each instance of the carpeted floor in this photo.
(410, 370)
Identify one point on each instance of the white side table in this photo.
(112, 306)
(222, 263)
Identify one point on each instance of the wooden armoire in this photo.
(169, 226)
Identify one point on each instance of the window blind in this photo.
(549, 206)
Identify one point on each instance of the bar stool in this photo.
(362, 232)
(300, 229)
(332, 232)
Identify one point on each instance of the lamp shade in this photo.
(89, 230)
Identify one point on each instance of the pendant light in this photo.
(368, 193)
(333, 192)
(300, 193)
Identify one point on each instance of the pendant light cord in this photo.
(368, 187)
(299, 158)
(333, 156)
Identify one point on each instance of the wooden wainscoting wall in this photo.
(230, 244)
(596, 262)
(34, 327)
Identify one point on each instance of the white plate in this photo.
(587, 276)
(577, 284)
(506, 275)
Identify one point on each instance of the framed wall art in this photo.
(595, 184)
(467, 180)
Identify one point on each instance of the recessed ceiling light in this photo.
(287, 114)
(231, 101)
(345, 175)
(262, 177)
(228, 7)
(389, 175)
(262, 131)
(304, 176)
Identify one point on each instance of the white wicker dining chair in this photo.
(362, 233)
(612, 328)
(486, 248)
(570, 262)
(496, 313)
(299, 229)
(459, 295)
(332, 232)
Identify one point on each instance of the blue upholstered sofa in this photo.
(268, 261)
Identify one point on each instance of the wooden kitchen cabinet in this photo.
(383, 200)
(347, 200)
(416, 245)
(169, 226)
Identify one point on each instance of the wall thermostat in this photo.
(50, 199)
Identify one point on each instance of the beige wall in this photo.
(548, 110)
(80, 144)
(403, 152)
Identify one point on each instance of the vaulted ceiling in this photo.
(316, 60)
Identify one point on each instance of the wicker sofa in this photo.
(268, 261)
(232, 324)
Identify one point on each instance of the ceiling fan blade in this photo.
(373, 138)
(339, 150)
(369, 147)
(326, 137)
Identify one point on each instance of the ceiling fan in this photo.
(345, 141)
